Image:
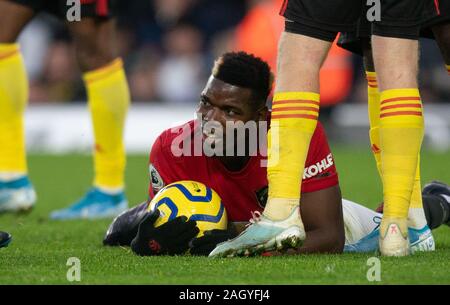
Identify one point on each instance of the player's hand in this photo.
(205, 244)
(170, 238)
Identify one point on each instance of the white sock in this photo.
(110, 190)
(280, 208)
(416, 218)
(446, 198)
(11, 176)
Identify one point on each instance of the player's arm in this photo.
(321, 201)
(324, 225)
(322, 217)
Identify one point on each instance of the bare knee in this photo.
(299, 61)
(396, 62)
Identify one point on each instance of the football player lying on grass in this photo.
(237, 91)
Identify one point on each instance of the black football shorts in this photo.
(352, 40)
(323, 19)
(443, 17)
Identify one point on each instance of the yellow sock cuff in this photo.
(103, 72)
(372, 84)
(372, 79)
(291, 107)
(448, 69)
(401, 107)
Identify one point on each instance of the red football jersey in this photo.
(242, 191)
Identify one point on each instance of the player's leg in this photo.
(303, 47)
(108, 99)
(16, 191)
(395, 53)
(362, 230)
(361, 227)
(416, 216)
(401, 132)
(436, 203)
(5, 239)
(294, 118)
(442, 35)
(440, 26)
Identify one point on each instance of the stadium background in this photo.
(169, 47)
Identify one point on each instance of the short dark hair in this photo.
(245, 70)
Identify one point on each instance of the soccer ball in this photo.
(192, 199)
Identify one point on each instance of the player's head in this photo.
(239, 81)
(237, 90)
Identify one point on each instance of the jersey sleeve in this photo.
(320, 170)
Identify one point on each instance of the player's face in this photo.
(223, 102)
(220, 103)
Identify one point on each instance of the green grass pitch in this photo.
(41, 248)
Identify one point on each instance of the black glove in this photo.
(125, 226)
(170, 238)
(205, 244)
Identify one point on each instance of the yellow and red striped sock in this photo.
(293, 121)
(416, 215)
(401, 133)
(448, 69)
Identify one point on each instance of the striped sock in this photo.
(401, 133)
(293, 121)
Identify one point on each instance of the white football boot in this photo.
(394, 240)
(263, 235)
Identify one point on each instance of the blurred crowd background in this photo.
(169, 46)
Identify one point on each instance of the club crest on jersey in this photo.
(155, 178)
(262, 195)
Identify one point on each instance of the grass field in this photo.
(40, 247)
